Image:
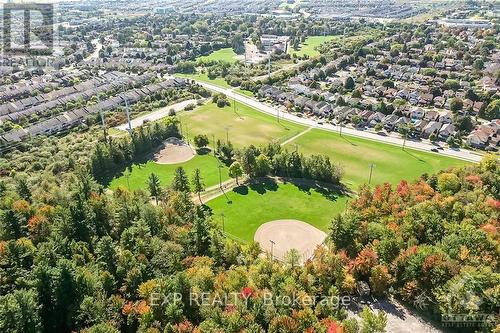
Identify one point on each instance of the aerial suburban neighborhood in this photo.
(320, 166)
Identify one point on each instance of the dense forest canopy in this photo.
(76, 257)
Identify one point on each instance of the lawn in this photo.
(226, 55)
(140, 172)
(356, 154)
(309, 46)
(220, 82)
(244, 124)
(244, 92)
(246, 208)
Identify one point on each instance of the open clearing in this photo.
(244, 125)
(226, 55)
(246, 208)
(174, 151)
(356, 154)
(220, 82)
(309, 46)
(281, 236)
(140, 172)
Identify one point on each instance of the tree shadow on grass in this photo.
(139, 162)
(349, 141)
(241, 190)
(414, 156)
(329, 191)
(203, 151)
(259, 185)
(263, 185)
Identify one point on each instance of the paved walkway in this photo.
(156, 115)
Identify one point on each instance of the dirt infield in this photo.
(174, 151)
(287, 235)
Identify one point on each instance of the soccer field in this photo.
(226, 55)
(310, 44)
(242, 124)
(392, 163)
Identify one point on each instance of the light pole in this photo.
(220, 176)
(372, 166)
(272, 248)
(215, 145)
(223, 227)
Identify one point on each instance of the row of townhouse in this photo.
(76, 117)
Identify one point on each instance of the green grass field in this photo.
(250, 207)
(247, 93)
(309, 46)
(208, 165)
(355, 154)
(220, 82)
(226, 55)
(245, 126)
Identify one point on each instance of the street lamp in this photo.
(227, 133)
(220, 175)
(214, 146)
(272, 248)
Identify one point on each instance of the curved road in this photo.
(462, 154)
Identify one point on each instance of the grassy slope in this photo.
(140, 172)
(246, 126)
(355, 154)
(226, 55)
(251, 207)
(309, 46)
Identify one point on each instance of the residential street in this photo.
(462, 154)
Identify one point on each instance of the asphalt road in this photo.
(425, 145)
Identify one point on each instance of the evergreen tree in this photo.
(197, 182)
(180, 182)
(154, 186)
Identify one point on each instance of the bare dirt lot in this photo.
(281, 236)
(174, 151)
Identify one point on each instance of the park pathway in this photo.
(293, 138)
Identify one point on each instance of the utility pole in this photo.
(372, 166)
(215, 144)
(272, 248)
(128, 115)
(269, 75)
(220, 176)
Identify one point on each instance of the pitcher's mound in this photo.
(174, 151)
(284, 235)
